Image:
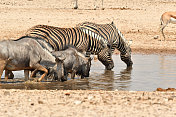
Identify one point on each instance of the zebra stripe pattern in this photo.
(84, 40)
(114, 37)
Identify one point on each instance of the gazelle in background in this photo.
(166, 18)
(76, 4)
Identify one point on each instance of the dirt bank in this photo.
(138, 20)
(83, 103)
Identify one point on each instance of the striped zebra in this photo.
(55, 38)
(114, 38)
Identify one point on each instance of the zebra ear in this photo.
(112, 23)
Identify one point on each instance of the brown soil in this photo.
(84, 103)
(138, 20)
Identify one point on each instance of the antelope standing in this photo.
(76, 4)
(166, 18)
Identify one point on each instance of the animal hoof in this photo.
(38, 80)
(35, 80)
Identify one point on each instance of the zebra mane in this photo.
(121, 35)
(85, 26)
(95, 35)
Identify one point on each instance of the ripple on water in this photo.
(148, 73)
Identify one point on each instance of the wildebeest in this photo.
(28, 54)
(75, 62)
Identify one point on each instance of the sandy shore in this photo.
(83, 103)
(138, 20)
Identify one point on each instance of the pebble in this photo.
(156, 37)
(77, 102)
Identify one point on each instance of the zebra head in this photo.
(123, 46)
(105, 57)
(100, 46)
(126, 57)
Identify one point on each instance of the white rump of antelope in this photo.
(166, 18)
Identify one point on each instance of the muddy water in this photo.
(148, 73)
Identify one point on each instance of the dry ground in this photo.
(138, 20)
(83, 103)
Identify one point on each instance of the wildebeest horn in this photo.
(59, 56)
(62, 57)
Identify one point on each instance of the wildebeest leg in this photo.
(41, 68)
(33, 72)
(65, 76)
(26, 74)
(10, 75)
(73, 74)
(82, 76)
(7, 73)
(2, 66)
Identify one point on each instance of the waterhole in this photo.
(148, 73)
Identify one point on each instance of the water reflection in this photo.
(148, 73)
(102, 81)
(123, 79)
(109, 80)
(125, 74)
(167, 62)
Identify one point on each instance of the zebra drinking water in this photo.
(114, 38)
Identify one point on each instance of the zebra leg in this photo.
(105, 57)
(107, 61)
(108, 66)
(126, 59)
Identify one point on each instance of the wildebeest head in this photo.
(59, 68)
(85, 67)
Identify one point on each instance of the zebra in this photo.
(55, 39)
(114, 37)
